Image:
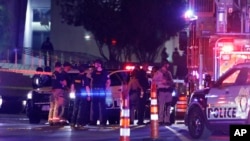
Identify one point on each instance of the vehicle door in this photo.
(117, 80)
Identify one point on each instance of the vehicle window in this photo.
(230, 79)
(248, 77)
(237, 77)
(117, 78)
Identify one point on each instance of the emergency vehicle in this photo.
(226, 102)
(218, 53)
(217, 37)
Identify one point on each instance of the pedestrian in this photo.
(47, 50)
(144, 82)
(100, 83)
(135, 93)
(176, 60)
(164, 81)
(57, 97)
(81, 86)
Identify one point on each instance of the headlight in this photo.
(24, 102)
(72, 95)
(29, 95)
(174, 93)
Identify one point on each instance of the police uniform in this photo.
(98, 110)
(143, 81)
(57, 98)
(164, 84)
(67, 88)
(135, 90)
(81, 111)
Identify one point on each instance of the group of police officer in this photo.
(90, 94)
(89, 104)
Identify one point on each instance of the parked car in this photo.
(38, 99)
(225, 103)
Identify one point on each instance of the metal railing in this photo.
(35, 57)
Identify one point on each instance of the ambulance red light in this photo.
(227, 47)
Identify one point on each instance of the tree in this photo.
(126, 27)
(152, 23)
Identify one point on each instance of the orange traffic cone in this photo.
(154, 113)
(124, 117)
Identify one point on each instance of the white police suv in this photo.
(226, 102)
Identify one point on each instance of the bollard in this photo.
(154, 113)
(124, 116)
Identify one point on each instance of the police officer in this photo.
(100, 82)
(81, 111)
(143, 81)
(36, 79)
(135, 93)
(164, 81)
(67, 89)
(57, 97)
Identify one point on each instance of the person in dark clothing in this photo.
(67, 89)
(164, 55)
(176, 60)
(57, 98)
(100, 83)
(47, 50)
(135, 92)
(36, 79)
(81, 111)
(143, 81)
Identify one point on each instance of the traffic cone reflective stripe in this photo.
(154, 113)
(125, 133)
(181, 106)
(124, 116)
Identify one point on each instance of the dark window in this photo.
(118, 78)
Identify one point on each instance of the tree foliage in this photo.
(126, 27)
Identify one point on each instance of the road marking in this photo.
(179, 135)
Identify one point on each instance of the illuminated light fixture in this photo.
(72, 95)
(227, 47)
(1, 101)
(29, 95)
(189, 15)
(129, 67)
(87, 36)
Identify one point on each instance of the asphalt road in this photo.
(17, 128)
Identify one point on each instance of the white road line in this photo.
(179, 135)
